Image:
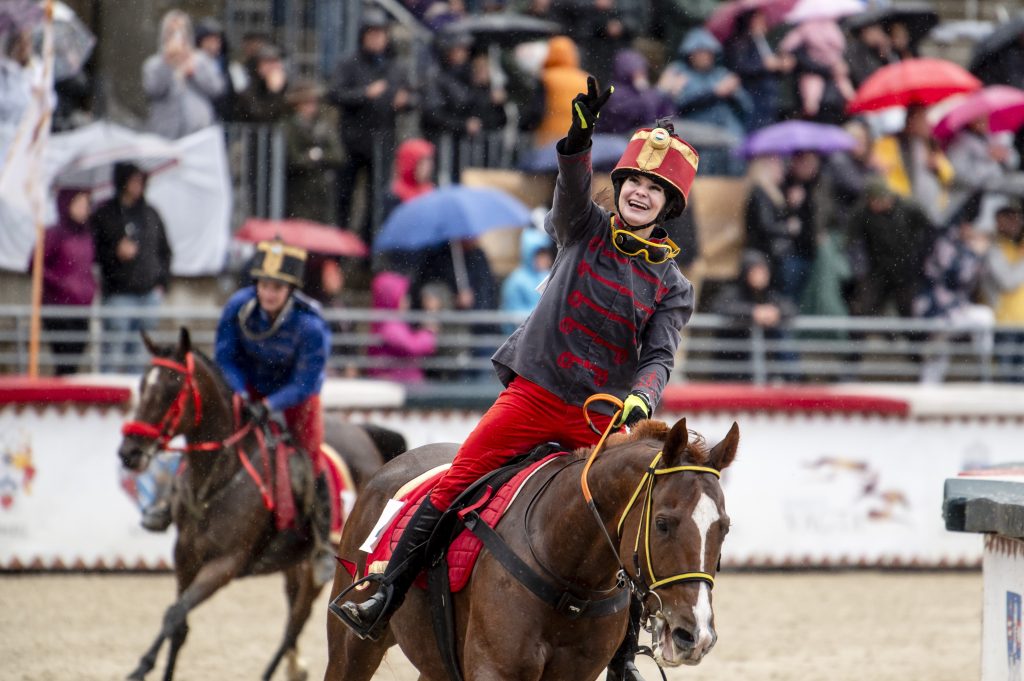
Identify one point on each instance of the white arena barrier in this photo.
(825, 477)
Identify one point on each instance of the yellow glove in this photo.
(636, 407)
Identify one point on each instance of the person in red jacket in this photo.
(608, 321)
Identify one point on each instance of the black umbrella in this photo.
(996, 41)
(919, 18)
(502, 28)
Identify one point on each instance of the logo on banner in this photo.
(1013, 635)
(16, 471)
(876, 502)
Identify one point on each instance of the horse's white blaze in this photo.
(705, 514)
(152, 377)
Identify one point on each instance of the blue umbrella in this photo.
(449, 214)
(604, 154)
(793, 136)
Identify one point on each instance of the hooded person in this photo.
(608, 321)
(68, 253)
(519, 292)
(272, 346)
(135, 262)
(414, 171)
(395, 338)
(181, 83)
(639, 102)
(370, 87)
(706, 92)
(561, 77)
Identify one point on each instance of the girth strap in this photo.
(561, 600)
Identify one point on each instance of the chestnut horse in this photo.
(658, 494)
(224, 528)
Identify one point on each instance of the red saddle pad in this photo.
(465, 549)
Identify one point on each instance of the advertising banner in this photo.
(64, 500)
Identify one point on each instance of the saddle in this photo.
(459, 548)
(452, 550)
(287, 484)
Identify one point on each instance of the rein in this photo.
(167, 428)
(642, 587)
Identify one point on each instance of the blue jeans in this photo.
(123, 352)
(155, 483)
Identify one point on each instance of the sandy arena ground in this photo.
(796, 626)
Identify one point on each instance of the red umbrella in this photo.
(722, 21)
(913, 81)
(312, 236)
(1001, 104)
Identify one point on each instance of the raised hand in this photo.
(586, 108)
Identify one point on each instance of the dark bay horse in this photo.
(503, 631)
(224, 528)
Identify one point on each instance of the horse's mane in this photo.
(218, 375)
(696, 445)
(168, 351)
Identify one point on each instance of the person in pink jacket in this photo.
(395, 338)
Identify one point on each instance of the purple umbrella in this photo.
(790, 137)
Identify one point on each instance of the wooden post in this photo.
(37, 301)
(37, 193)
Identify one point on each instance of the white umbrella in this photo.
(816, 10)
(72, 41)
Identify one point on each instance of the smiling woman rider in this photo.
(609, 320)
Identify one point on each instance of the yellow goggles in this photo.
(655, 253)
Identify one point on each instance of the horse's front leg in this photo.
(301, 592)
(208, 580)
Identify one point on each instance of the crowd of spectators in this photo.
(902, 223)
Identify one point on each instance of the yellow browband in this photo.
(645, 523)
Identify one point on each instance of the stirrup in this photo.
(375, 630)
(629, 672)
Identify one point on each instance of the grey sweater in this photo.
(605, 322)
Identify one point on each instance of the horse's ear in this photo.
(150, 345)
(184, 342)
(674, 451)
(724, 452)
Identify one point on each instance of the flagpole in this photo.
(35, 321)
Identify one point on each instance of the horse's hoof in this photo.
(137, 675)
(297, 670)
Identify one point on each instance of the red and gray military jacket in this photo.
(606, 322)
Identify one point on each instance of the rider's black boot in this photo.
(324, 563)
(369, 618)
(621, 667)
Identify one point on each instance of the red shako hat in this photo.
(665, 157)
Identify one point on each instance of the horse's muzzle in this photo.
(133, 454)
(680, 645)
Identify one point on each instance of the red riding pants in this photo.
(306, 424)
(523, 416)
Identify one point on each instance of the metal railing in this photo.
(810, 349)
(258, 161)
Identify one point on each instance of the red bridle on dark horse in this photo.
(166, 429)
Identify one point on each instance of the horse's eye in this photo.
(661, 525)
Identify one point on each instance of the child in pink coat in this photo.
(395, 338)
